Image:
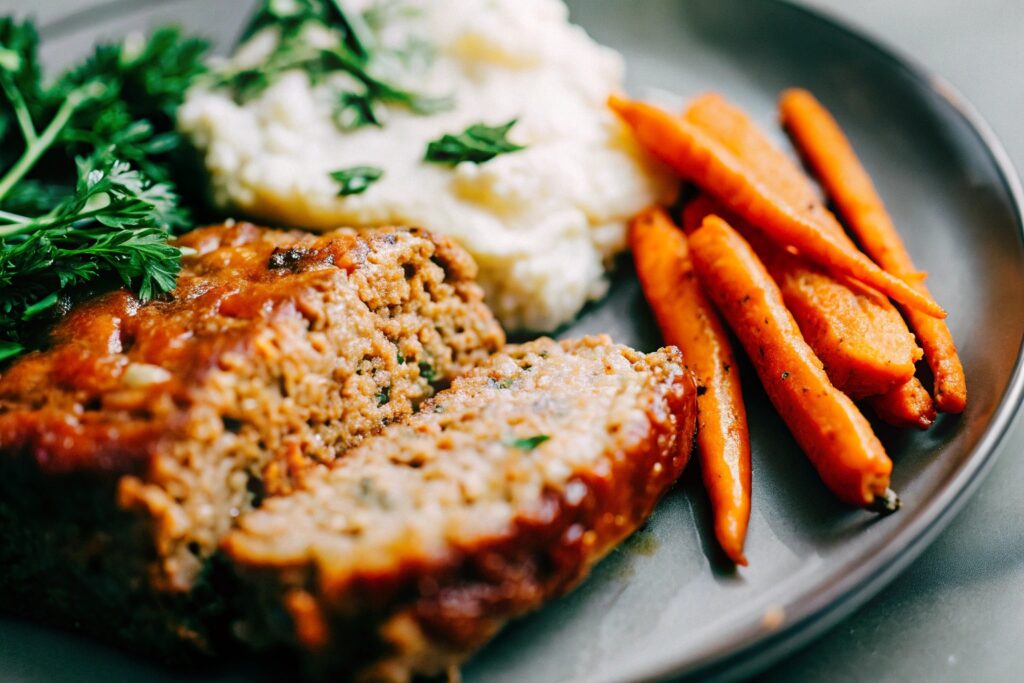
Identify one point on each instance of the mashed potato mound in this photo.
(542, 223)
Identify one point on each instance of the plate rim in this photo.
(752, 648)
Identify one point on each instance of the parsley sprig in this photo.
(356, 180)
(478, 144)
(527, 443)
(86, 198)
(355, 52)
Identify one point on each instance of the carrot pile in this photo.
(759, 250)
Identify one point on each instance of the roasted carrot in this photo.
(908, 406)
(687, 320)
(697, 209)
(861, 339)
(827, 150)
(824, 421)
(858, 334)
(733, 129)
(694, 155)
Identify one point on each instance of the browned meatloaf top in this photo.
(117, 371)
(277, 352)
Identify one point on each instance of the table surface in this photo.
(958, 611)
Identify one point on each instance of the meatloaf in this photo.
(417, 546)
(133, 442)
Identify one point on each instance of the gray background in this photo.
(958, 611)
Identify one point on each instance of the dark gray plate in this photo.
(665, 603)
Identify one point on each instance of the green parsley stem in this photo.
(361, 36)
(12, 218)
(28, 129)
(47, 222)
(42, 143)
(47, 302)
(18, 224)
(9, 349)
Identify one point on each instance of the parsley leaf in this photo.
(138, 85)
(87, 200)
(355, 52)
(355, 110)
(528, 443)
(427, 371)
(357, 179)
(114, 226)
(479, 143)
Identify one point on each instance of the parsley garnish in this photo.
(427, 371)
(355, 52)
(144, 81)
(357, 179)
(478, 143)
(114, 225)
(528, 443)
(104, 220)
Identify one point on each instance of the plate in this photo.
(665, 603)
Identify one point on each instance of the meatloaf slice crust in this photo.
(132, 443)
(415, 549)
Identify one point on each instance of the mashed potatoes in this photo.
(542, 223)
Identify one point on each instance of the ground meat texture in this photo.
(130, 446)
(415, 549)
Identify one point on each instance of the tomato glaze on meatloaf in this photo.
(132, 443)
(500, 494)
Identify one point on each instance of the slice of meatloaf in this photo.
(414, 549)
(130, 446)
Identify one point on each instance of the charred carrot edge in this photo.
(687, 320)
(828, 151)
(835, 436)
(908, 406)
(694, 155)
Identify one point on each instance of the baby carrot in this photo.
(907, 406)
(695, 156)
(687, 320)
(855, 331)
(824, 421)
(733, 129)
(860, 338)
(827, 150)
